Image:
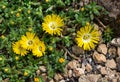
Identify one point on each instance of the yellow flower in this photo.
(0, 58)
(82, 9)
(18, 14)
(12, 12)
(39, 49)
(6, 70)
(19, 10)
(29, 40)
(16, 58)
(25, 73)
(28, 11)
(36, 79)
(46, 0)
(52, 24)
(87, 37)
(87, 23)
(18, 49)
(3, 6)
(61, 60)
(2, 36)
(30, 29)
(50, 48)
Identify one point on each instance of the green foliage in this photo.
(108, 34)
(88, 13)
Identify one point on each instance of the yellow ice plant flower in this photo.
(3, 6)
(18, 15)
(46, 0)
(29, 40)
(39, 49)
(16, 58)
(82, 9)
(36, 79)
(30, 29)
(19, 10)
(6, 70)
(18, 49)
(87, 37)
(2, 36)
(12, 12)
(61, 60)
(50, 48)
(52, 24)
(25, 73)
(28, 11)
(0, 58)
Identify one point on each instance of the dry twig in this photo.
(70, 54)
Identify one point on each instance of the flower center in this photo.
(30, 42)
(40, 48)
(86, 37)
(52, 25)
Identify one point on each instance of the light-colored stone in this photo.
(111, 64)
(114, 80)
(116, 41)
(38, 72)
(51, 80)
(77, 50)
(42, 68)
(93, 77)
(102, 48)
(78, 72)
(103, 79)
(89, 78)
(5, 80)
(73, 64)
(83, 78)
(58, 77)
(103, 70)
(62, 81)
(70, 73)
(112, 51)
(45, 77)
(99, 58)
(118, 51)
(88, 67)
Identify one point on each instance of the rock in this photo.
(99, 58)
(114, 80)
(83, 78)
(58, 77)
(38, 72)
(89, 78)
(118, 63)
(45, 77)
(102, 48)
(78, 72)
(103, 79)
(5, 80)
(93, 77)
(118, 51)
(51, 80)
(70, 73)
(42, 68)
(62, 81)
(112, 52)
(116, 41)
(73, 64)
(111, 64)
(77, 50)
(88, 67)
(103, 70)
